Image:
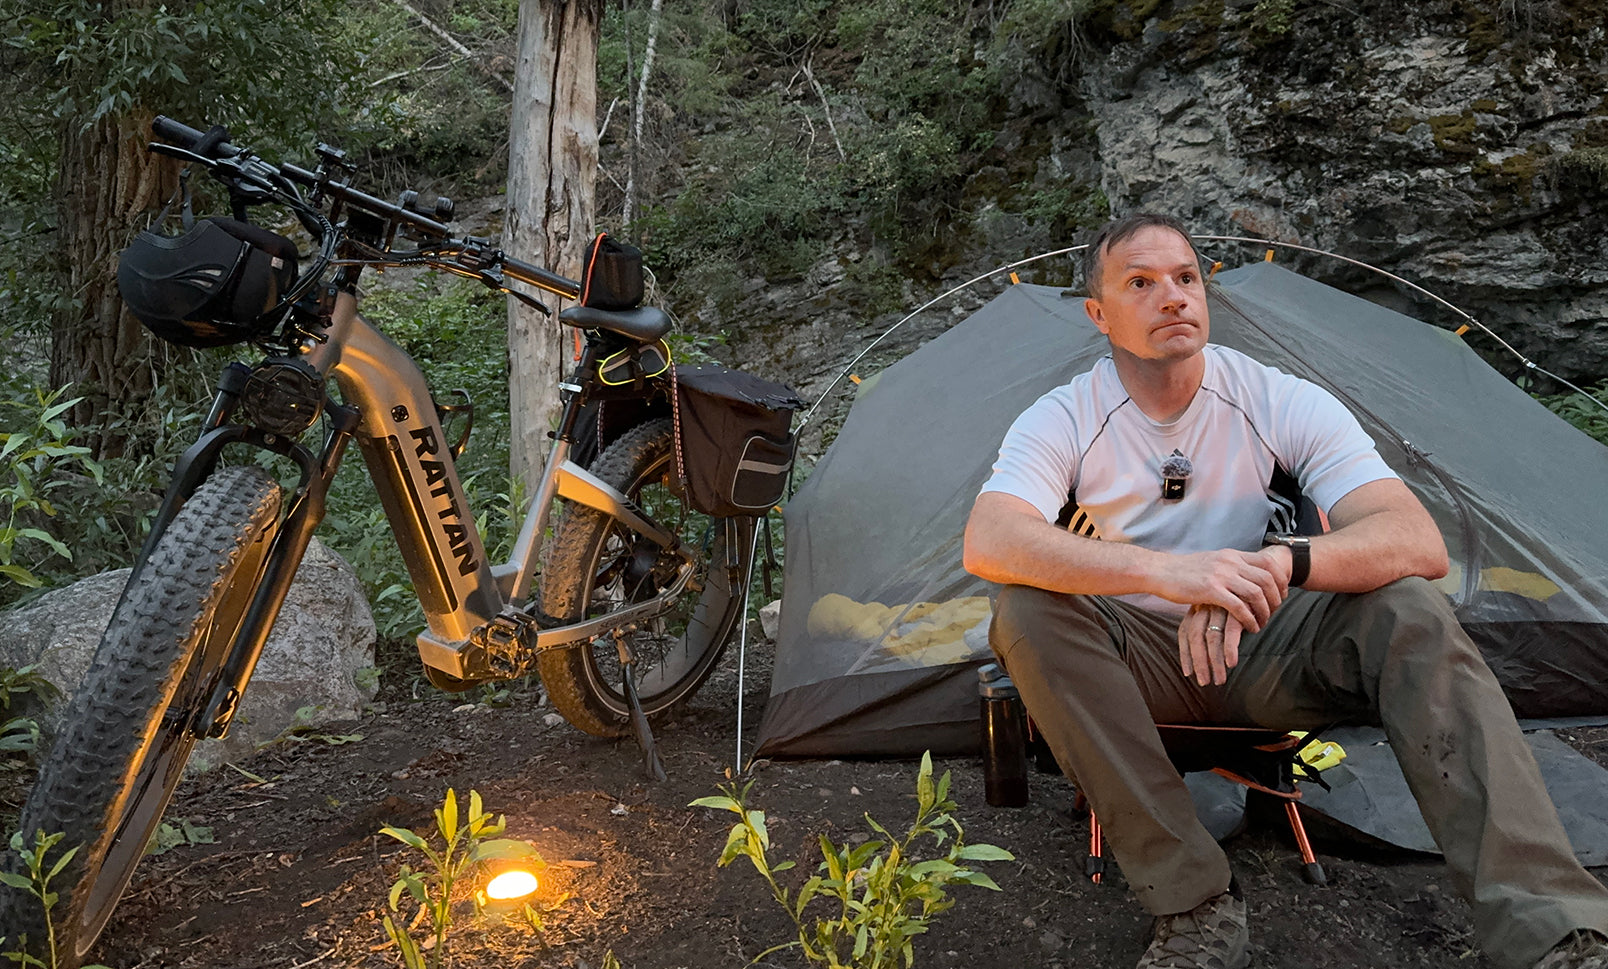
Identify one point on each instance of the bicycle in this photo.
(643, 579)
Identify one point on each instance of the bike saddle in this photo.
(643, 324)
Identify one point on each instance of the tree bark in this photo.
(552, 171)
(107, 179)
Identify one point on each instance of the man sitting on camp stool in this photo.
(1128, 521)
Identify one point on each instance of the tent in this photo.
(882, 630)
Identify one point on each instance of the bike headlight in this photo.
(283, 396)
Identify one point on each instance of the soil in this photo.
(299, 874)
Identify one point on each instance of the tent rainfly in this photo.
(882, 630)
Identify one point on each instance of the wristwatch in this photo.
(1300, 554)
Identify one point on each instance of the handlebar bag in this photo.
(216, 284)
(613, 277)
(735, 439)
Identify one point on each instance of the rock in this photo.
(770, 618)
(317, 667)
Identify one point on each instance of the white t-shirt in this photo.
(1088, 439)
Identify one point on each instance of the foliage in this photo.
(35, 449)
(464, 847)
(1587, 414)
(37, 884)
(1272, 19)
(883, 894)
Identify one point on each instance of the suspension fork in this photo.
(290, 543)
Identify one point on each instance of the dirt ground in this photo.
(298, 875)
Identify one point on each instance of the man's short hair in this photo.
(1121, 231)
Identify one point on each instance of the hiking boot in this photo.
(1580, 949)
(1212, 935)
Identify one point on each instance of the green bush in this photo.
(879, 894)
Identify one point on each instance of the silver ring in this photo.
(1214, 629)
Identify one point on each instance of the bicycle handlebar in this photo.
(183, 136)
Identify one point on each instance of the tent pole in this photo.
(742, 637)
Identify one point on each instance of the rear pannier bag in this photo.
(736, 442)
(613, 275)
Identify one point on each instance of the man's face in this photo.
(1152, 301)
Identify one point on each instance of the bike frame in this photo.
(479, 623)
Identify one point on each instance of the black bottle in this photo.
(1004, 738)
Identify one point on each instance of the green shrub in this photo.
(880, 894)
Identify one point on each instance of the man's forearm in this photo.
(1381, 534)
(1015, 549)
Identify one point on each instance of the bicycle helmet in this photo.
(216, 284)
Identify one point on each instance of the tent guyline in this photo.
(1011, 266)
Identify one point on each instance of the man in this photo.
(1158, 598)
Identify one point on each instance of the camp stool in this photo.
(1255, 757)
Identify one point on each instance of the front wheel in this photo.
(130, 727)
(595, 566)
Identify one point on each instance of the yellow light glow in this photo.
(511, 884)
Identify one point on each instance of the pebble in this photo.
(464, 708)
(619, 810)
(553, 719)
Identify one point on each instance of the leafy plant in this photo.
(464, 847)
(37, 883)
(33, 451)
(883, 893)
(1588, 414)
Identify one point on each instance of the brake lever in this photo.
(174, 151)
(494, 279)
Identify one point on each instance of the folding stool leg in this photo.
(1314, 871)
(1094, 865)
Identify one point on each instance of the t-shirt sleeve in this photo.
(1038, 460)
(1327, 451)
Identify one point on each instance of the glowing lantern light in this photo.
(511, 884)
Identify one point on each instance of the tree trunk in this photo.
(552, 169)
(106, 180)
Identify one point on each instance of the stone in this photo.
(770, 618)
(317, 667)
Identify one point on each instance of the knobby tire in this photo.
(595, 565)
(129, 729)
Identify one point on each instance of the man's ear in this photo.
(1092, 307)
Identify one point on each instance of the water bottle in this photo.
(1004, 738)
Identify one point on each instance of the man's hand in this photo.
(1208, 644)
(1247, 586)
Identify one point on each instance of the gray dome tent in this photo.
(881, 628)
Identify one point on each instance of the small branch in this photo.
(603, 128)
(637, 114)
(456, 45)
(809, 75)
(401, 74)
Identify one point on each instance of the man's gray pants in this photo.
(1097, 674)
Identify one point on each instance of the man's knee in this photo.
(1026, 616)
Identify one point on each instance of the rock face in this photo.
(319, 660)
(1462, 151)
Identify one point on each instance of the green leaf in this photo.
(830, 859)
(718, 803)
(976, 878)
(15, 880)
(924, 792)
(756, 820)
(447, 815)
(982, 852)
(405, 836)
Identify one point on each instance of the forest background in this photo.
(803, 173)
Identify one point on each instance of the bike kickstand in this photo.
(639, 720)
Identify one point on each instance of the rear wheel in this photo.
(130, 728)
(596, 566)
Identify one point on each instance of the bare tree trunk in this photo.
(552, 170)
(637, 111)
(106, 180)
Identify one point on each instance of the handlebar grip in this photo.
(184, 136)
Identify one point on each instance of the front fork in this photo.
(290, 540)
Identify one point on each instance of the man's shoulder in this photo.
(1237, 375)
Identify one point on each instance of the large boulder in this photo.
(318, 665)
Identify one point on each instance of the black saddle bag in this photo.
(735, 439)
